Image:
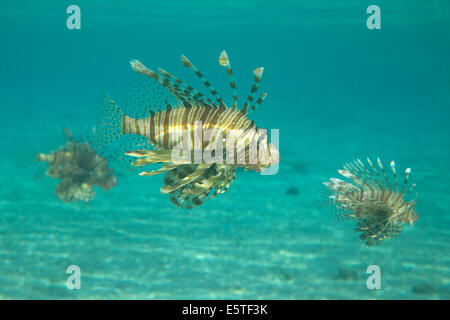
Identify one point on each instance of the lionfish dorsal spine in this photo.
(184, 90)
(250, 99)
(394, 172)
(405, 183)
(175, 86)
(384, 174)
(139, 67)
(225, 62)
(354, 173)
(369, 176)
(188, 64)
(379, 181)
(410, 189)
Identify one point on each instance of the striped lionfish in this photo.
(79, 167)
(173, 134)
(374, 200)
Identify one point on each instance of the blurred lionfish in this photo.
(79, 167)
(165, 125)
(374, 200)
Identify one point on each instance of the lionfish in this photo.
(373, 199)
(79, 167)
(162, 127)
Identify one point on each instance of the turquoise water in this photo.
(337, 91)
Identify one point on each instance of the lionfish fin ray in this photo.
(250, 99)
(108, 122)
(184, 91)
(375, 203)
(145, 97)
(225, 62)
(118, 149)
(109, 138)
(155, 156)
(188, 64)
(164, 168)
(198, 172)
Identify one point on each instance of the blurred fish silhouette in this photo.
(79, 167)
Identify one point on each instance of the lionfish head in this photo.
(274, 157)
(411, 215)
(268, 153)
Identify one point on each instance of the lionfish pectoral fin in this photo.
(229, 177)
(164, 168)
(197, 190)
(143, 162)
(137, 153)
(147, 157)
(150, 156)
(198, 172)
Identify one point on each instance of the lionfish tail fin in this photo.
(110, 138)
(109, 118)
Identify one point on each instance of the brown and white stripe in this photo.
(374, 199)
(190, 184)
(165, 128)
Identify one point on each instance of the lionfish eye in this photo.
(262, 137)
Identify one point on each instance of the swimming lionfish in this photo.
(375, 201)
(79, 167)
(188, 135)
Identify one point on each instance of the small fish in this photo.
(373, 199)
(201, 142)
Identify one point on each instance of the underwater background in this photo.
(337, 92)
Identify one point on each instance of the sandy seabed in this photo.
(253, 242)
